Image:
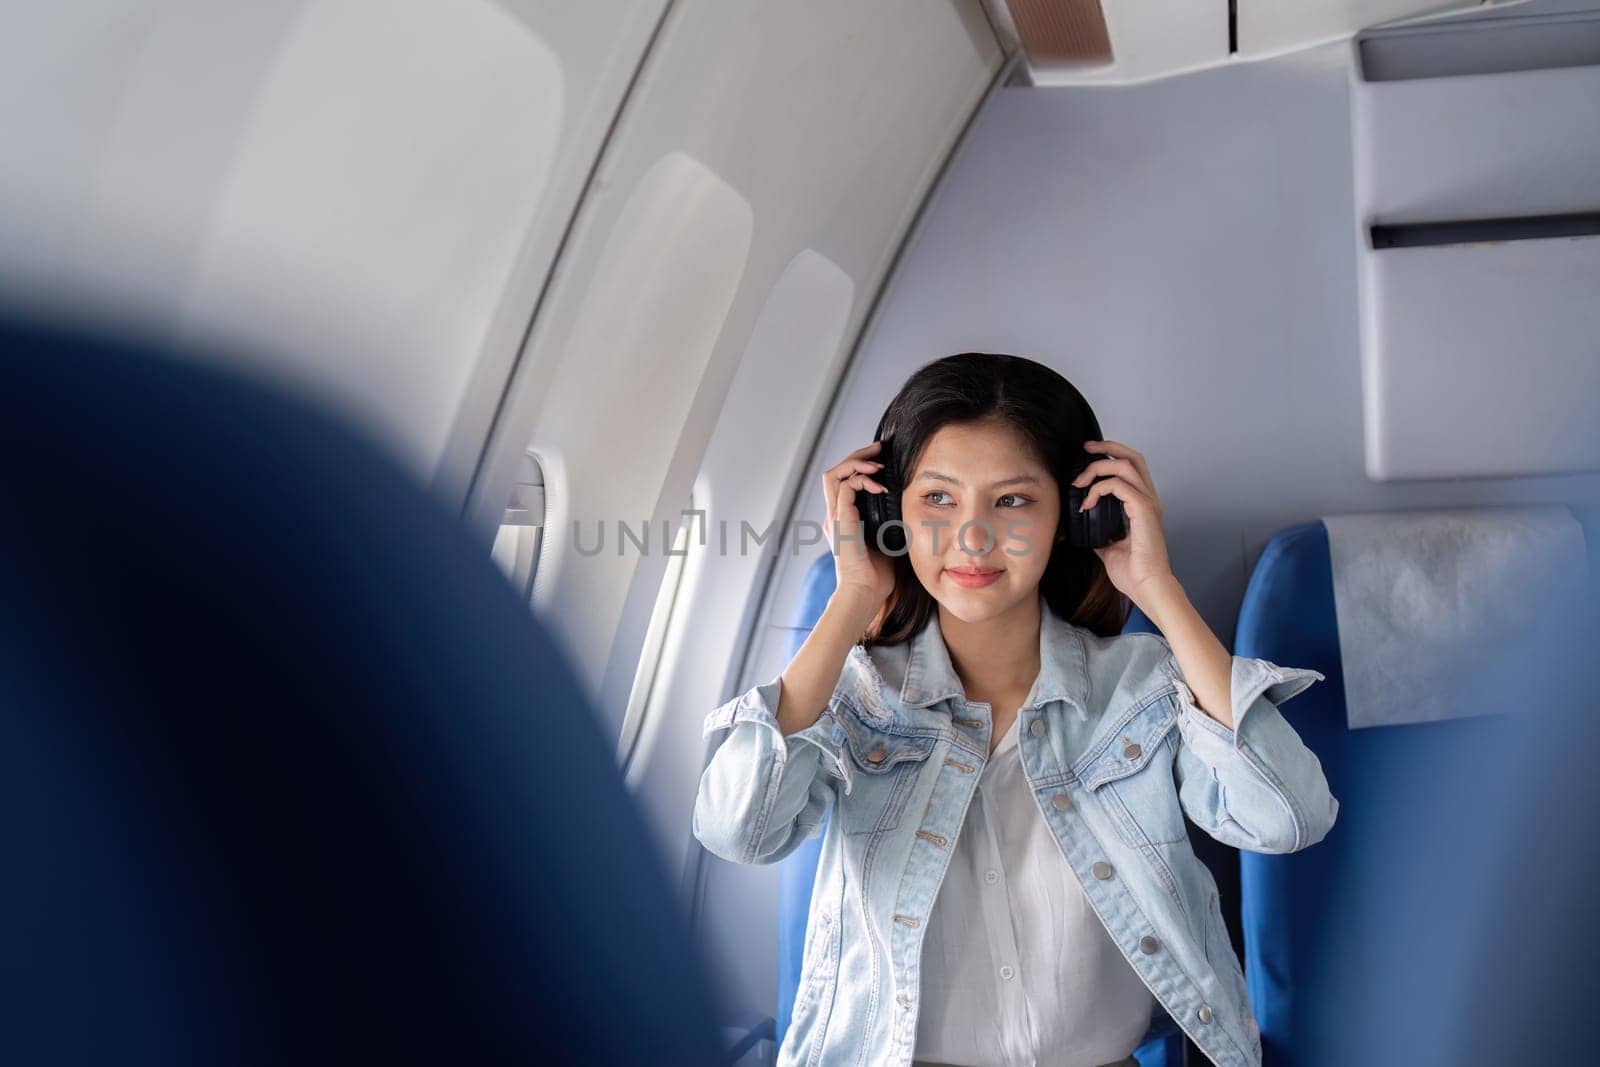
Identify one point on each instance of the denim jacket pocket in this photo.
(1130, 771)
(884, 766)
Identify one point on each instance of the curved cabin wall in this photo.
(361, 198)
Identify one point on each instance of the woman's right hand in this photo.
(861, 572)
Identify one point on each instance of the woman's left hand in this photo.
(1142, 555)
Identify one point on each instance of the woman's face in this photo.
(981, 510)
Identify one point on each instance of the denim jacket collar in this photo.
(1063, 666)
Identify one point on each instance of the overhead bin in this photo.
(1540, 36)
(1478, 208)
(1270, 27)
(1117, 42)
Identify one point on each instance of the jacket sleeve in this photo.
(762, 793)
(1256, 786)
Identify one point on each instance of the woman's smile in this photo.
(974, 577)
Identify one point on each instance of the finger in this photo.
(1110, 448)
(846, 515)
(1137, 458)
(1119, 489)
(830, 487)
(865, 450)
(845, 496)
(851, 466)
(1143, 464)
(863, 481)
(1122, 467)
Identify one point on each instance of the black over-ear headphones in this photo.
(1101, 525)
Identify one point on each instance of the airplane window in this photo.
(644, 680)
(317, 242)
(516, 543)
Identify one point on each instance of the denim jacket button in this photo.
(1148, 945)
(1061, 802)
(1101, 870)
(876, 755)
(1133, 751)
(1038, 728)
(1204, 1014)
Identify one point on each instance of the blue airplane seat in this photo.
(1287, 616)
(288, 773)
(798, 871)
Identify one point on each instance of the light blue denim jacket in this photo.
(1116, 752)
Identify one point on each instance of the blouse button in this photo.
(1007, 972)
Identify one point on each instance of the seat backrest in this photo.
(798, 871)
(1287, 617)
(288, 774)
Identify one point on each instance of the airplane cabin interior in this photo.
(611, 284)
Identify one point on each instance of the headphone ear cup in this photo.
(1075, 523)
(894, 537)
(877, 511)
(867, 503)
(1099, 526)
(1109, 522)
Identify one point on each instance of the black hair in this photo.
(1056, 420)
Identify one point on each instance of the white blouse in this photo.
(1016, 967)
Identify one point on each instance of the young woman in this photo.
(1006, 876)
